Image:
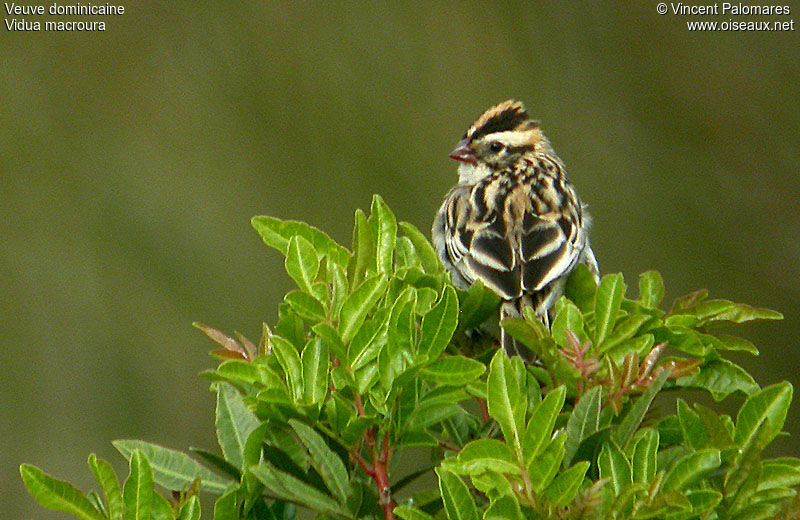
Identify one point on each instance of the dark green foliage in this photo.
(376, 352)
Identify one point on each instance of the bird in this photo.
(513, 220)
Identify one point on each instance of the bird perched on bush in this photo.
(513, 220)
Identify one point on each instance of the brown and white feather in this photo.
(514, 221)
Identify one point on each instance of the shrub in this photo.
(376, 353)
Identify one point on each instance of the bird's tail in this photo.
(513, 309)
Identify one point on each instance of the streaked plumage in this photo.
(513, 221)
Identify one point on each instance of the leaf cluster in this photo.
(375, 356)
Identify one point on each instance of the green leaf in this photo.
(740, 313)
(710, 308)
(615, 466)
(96, 501)
(190, 510)
(289, 326)
(682, 322)
(493, 485)
(315, 360)
(485, 455)
(438, 325)
(234, 422)
(369, 340)
(454, 370)
(305, 306)
(741, 479)
(162, 508)
(427, 255)
(356, 307)
(302, 263)
(793, 462)
(718, 429)
(384, 227)
(458, 502)
(567, 317)
(367, 377)
(219, 463)
(405, 255)
(720, 378)
(240, 371)
(760, 511)
(294, 490)
(389, 367)
(476, 305)
(329, 466)
(703, 500)
(138, 490)
(428, 412)
(225, 507)
(633, 418)
(173, 469)
(411, 477)
(694, 432)
(625, 329)
(690, 468)
(590, 448)
(504, 507)
(563, 489)
(526, 333)
(426, 299)
(276, 233)
(104, 474)
(540, 426)
(402, 326)
(771, 403)
(280, 438)
(411, 513)
(338, 290)
(776, 475)
(416, 439)
(581, 288)
(651, 289)
(544, 467)
(583, 421)
(253, 446)
(331, 338)
(289, 360)
(639, 344)
(606, 306)
(363, 249)
(505, 402)
(644, 458)
(57, 494)
(734, 343)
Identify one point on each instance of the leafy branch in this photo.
(376, 354)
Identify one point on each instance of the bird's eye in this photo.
(496, 147)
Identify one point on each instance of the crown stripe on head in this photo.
(501, 118)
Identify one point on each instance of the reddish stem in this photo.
(379, 470)
(334, 364)
(363, 463)
(381, 476)
(359, 405)
(484, 409)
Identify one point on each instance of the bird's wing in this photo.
(492, 257)
(549, 247)
(512, 255)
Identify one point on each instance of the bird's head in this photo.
(497, 140)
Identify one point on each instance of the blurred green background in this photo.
(132, 160)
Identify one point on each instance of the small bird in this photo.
(513, 221)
